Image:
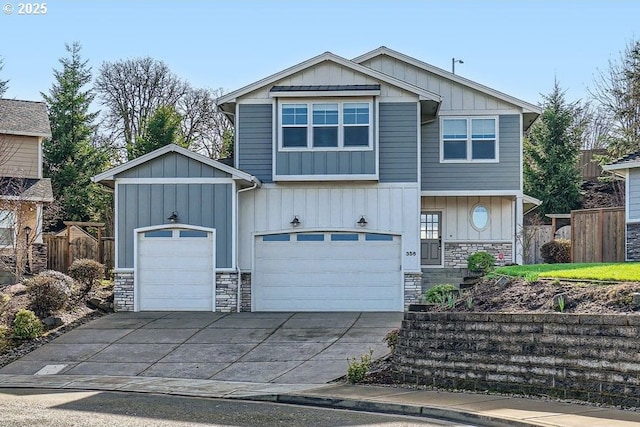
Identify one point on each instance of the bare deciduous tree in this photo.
(203, 126)
(4, 84)
(132, 90)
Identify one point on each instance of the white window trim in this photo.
(11, 217)
(310, 125)
(469, 140)
(472, 222)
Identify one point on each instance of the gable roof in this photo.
(26, 189)
(383, 50)
(423, 94)
(630, 161)
(27, 118)
(107, 177)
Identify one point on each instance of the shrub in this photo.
(481, 262)
(438, 294)
(392, 339)
(87, 272)
(4, 338)
(556, 251)
(358, 370)
(47, 293)
(26, 325)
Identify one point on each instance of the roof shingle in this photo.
(28, 118)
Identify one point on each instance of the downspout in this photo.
(238, 272)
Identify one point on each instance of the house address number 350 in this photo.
(410, 253)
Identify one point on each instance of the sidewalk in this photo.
(488, 410)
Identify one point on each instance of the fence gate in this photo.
(598, 235)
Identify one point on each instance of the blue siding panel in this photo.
(173, 165)
(206, 205)
(634, 193)
(254, 140)
(502, 176)
(398, 133)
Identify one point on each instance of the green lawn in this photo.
(622, 272)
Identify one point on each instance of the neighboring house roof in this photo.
(529, 110)
(27, 118)
(108, 177)
(629, 161)
(231, 97)
(75, 231)
(27, 189)
(530, 203)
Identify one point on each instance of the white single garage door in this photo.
(327, 271)
(175, 270)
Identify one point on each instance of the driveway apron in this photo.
(310, 348)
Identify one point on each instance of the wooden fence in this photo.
(589, 167)
(81, 247)
(598, 235)
(534, 236)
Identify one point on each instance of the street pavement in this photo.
(272, 357)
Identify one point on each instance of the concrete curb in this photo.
(390, 408)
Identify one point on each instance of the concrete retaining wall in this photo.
(574, 356)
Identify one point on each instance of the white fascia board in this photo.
(175, 180)
(532, 200)
(324, 94)
(526, 107)
(343, 177)
(328, 56)
(111, 173)
(445, 193)
(620, 166)
(23, 133)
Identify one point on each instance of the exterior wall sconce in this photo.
(362, 222)
(295, 221)
(173, 218)
(27, 232)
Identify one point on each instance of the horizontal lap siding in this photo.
(254, 138)
(502, 176)
(206, 205)
(22, 156)
(634, 194)
(398, 143)
(326, 163)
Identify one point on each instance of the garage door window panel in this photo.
(276, 238)
(310, 238)
(159, 233)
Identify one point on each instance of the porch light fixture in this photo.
(453, 64)
(27, 232)
(173, 218)
(295, 221)
(362, 222)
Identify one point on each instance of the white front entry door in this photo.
(327, 271)
(175, 270)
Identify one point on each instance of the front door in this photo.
(431, 238)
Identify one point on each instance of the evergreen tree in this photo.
(70, 158)
(551, 152)
(162, 128)
(4, 84)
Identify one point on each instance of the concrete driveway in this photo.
(309, 348)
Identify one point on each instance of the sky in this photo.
(518, 47)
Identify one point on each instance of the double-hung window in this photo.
(326, 125)
(7, 228)
(469, 139)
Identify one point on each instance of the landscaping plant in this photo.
(438, 294)
(392, 339)
(26, 325)
(358, 370)
(481, 262)
(87, 272)
(47, 293)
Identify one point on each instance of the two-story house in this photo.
(352, 179)
(23, 190)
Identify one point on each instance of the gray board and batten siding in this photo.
(501, 176)
(206, 205)
(634, 194)
(173, 165)
(397, 144)
(255, 127)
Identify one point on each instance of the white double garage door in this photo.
(327, 271)
(318, 271)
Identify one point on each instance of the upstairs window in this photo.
(469, 139)
(326, 125)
